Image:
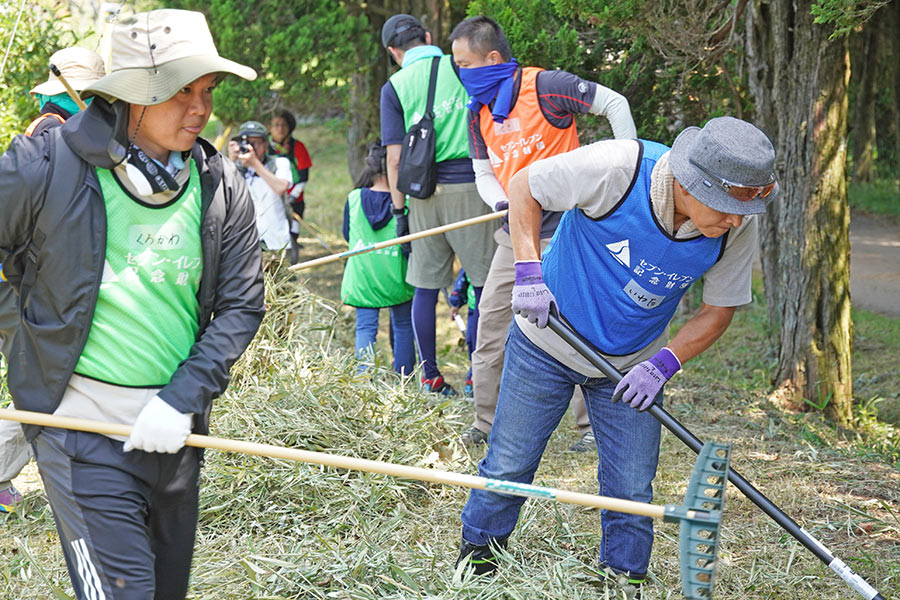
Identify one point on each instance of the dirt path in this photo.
(875, 264)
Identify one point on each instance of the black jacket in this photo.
(56, 315)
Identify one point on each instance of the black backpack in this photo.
(418, 171)
(67, 172)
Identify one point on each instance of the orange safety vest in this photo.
(526, 135)
(37, 121)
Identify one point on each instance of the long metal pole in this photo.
(586, 349)
(399, 240)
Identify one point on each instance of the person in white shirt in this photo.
(268, 178)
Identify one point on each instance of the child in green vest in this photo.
(377, 279)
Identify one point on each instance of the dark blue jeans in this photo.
(401, 336)
(535, 391)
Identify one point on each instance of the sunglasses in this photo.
(739, 191)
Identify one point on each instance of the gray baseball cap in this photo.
(397, 24)
(729, 166)
(252, 129)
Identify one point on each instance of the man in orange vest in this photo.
(517, 115)
(80, 67)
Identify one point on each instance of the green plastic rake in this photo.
(700, 515)
(698, 539)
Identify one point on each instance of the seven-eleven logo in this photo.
(619, 251)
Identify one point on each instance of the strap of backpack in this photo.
(432, 85)
(63, 164)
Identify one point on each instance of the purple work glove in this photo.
(502, 205)
(531, 297)
(642, 383)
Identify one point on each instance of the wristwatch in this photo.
(399, 211)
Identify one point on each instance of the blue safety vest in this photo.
(618, 278)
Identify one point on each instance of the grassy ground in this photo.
(270, 529)
(876, 198)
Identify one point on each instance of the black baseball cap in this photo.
(397, 24)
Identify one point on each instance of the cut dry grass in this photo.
(272, 529)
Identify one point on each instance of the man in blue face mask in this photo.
(517, 115)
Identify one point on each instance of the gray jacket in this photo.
(56, 315)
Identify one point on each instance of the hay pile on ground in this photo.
(275, 529)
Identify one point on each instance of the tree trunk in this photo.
(864, 76)
(365, 94)
(799, 80)
(895, 67)
(366, 82)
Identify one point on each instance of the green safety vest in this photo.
(147, 314)
(450, 112)
(378, 278)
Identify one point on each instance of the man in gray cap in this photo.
(268, 178)
(642, 223)
(134, 311)
(403, 102)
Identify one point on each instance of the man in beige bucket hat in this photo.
(80, 67)
(132, 244)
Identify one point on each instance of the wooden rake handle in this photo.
(72, 93)
(400, 240)
(354, 464)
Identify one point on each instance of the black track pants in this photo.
(126, 520)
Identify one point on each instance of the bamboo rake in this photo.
(400, 240)
(357, 464)
(72, 93)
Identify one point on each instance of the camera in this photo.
(244, 146)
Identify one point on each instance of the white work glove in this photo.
(159, 428)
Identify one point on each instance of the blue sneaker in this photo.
(9, 498)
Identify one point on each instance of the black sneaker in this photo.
(473, 437)
(481, 558)
(586, 443)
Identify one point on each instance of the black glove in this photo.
(401, 215)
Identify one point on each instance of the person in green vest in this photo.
(377, 280)
(132, 245)
(404, 99)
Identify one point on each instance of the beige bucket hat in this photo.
(155, 54)
(80, 66)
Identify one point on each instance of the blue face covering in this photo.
(64, 101)
(485, 83)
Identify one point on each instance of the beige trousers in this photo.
(494, 316)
